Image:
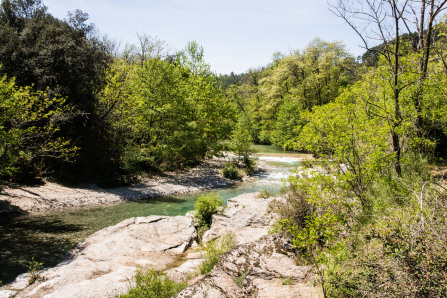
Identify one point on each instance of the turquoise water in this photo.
(270, 149)
(48, 236)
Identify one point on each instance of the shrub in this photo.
(33, 269)
(214, 249)
(231, 171)
(150, 283)
(242, 145)
(265, 194)
(205, 207)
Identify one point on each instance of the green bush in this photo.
(150, 283)
(265, 194)
(205, 207)
(231, 171)
(33, 269)
(214, 249)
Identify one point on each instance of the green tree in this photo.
(242, 145)
(29, 121)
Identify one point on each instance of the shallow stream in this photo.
(48, 236)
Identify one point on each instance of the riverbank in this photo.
(103, 264)
(52, 196)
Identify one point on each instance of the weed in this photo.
(239, 281)
(265, 194)
(214, 249)
(287, 281)
(150, 283)
(33, 268)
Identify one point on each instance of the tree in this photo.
(29, 122)
(386, 21)
(64, 58)
(242, 145)
(307, 79)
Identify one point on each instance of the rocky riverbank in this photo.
(53, 196)
(103, 264)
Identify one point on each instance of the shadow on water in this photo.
(22, 238)
(47, 237)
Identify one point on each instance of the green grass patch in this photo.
(214, 249)
(150, 283)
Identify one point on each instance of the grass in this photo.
(150, 283)
(239, 281)
(214, 249)
(265, 194)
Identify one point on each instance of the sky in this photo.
(236, 34)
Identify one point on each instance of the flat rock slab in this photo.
(265, 268)
(245, 215)
(104, 263)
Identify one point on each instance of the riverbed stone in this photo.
(104, 263)
(7, 293)
(246, 215)
(264, 268)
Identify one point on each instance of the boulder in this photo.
(245, 215)
(264, 268)
(104, 263)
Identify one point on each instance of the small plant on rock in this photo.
(239, 281)
(33, 268)
(150, 283)
(205, 207)
(265, 194)
(214, 249)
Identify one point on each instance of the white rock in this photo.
(104, 263)
(246, 215)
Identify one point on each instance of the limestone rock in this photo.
(104, 263)
(258, 269)
(7, 293)
(246, 215)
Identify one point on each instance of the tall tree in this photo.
(385, 21)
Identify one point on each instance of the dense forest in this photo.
(75, 108)
(369, 212)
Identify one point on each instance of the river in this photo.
(48, 236)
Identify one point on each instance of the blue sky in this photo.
(236, 35)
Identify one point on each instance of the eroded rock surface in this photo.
(264, 268)
(103, 264)
(246, 215)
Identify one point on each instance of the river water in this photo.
(48, 236)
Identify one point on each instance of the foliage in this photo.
(231, 171)
(64, 59)
(205, 207)
(239, 281)
(287, 281)
(242, 145)
(29, 125)
(215, 249)
(271, 100)
(33, 270)
(265, 194)
(150, 283)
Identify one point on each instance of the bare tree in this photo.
(148, 48)
(382, 22)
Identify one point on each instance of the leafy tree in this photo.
(387, 21)
(64, 58)
(29, 121)
(242, 145)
